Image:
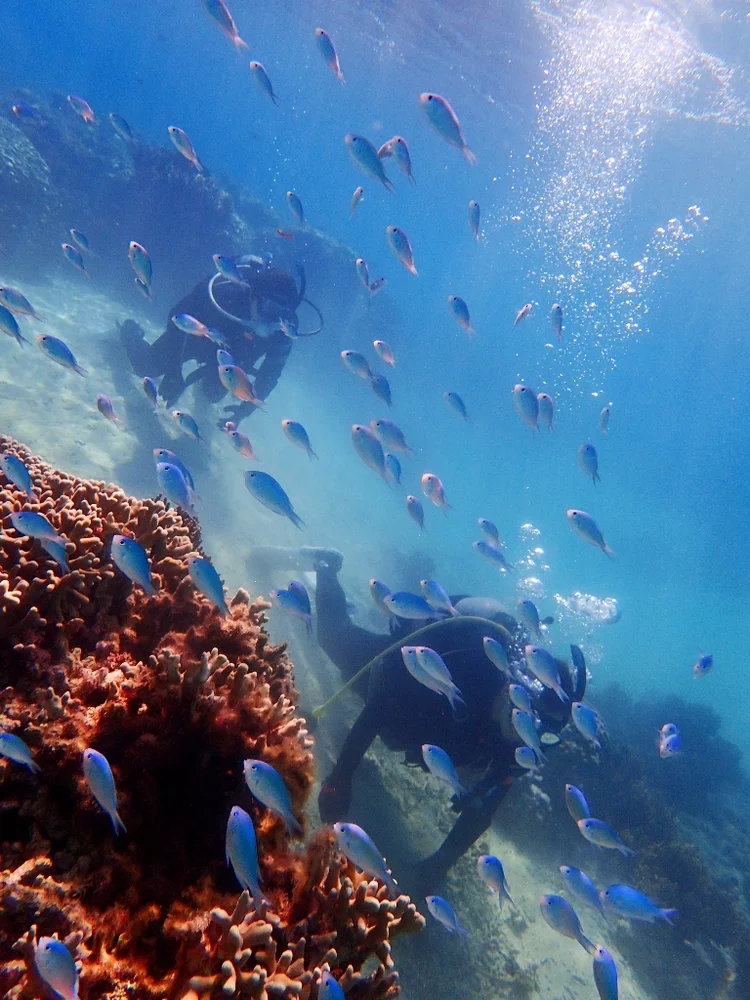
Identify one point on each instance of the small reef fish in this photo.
(604, 419)
(490, 532)
(268, 787)
(14, 748)
(379, 592)
(297, 434)
(519, 697)
(120, 126)
(668, 729)
(381, 387)
(300, 592)
(444, 913)
(328, 51)
(632, 904)
(495, 653)
(404, 604)
(59, 352)
(586, 722)
(377, 285)
(294, 204)
(460, 312)
(435, 684)
(208, 582)
(81, 240)
(415, 510)
(392, 469)
(522, 313)
(360, 850)
(35, 525)
(474, 219)
(151, 389)
(227, 268)
(670, 746)
(15, 470)
(356, 363)
(17, 302)
(580, 885)
(82, 108)
(586, 528)
(525, 757)
(241, 443)
(26, 113)
(492, 554)
(369, 448)
(526, 404)
(241, 848)
(98, 775)
(187, 424)
(237, 384)
(263, 80)
(219, 12)
(390, 435)
(546, 409)
(164, 455)
(131, 559)
(442, 118)
(329, 989)
(269, 492)
(284, 234)
(525, 727)
(357, 197)
(105, 407)
(9, 326)
(589, 461)
(542, 665)
(596, 831)
(183, 145)
(556, 318)
(576, 803)
(56, 967)
(400, 247)
(363, 272)
(398, 148)
(186, 323)
(491, 872)
(365, 156)
(561, 917)
(73, 255)
(434, 490)
(289, 601)
(527, 612)
(455, 403)
(605, 974)
(436, 597)
(441, 767)
(433, 663)
(140, 262)
(703, 665)
(174, 486)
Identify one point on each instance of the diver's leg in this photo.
(336, 793)
(137, 348)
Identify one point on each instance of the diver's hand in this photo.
(233, 414)
(334, 799)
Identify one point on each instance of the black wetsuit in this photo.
(269, 295)
(405, 714)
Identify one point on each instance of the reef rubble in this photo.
(176, 697)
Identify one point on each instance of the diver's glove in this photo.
(334, 798)
(235, 414)
(323, 558)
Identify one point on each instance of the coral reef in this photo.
(175, 697)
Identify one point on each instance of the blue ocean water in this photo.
(612, 141)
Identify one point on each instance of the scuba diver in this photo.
(254, 319)
(406, 715)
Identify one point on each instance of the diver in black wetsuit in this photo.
(406, 715)
(249, 320)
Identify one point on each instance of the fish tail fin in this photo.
(462, 931)
(627, 852)
(540, 758)
(597, 478)
(296, 520)
(117, 824)
(149, 589)
(562, 695)
(239, 43)
(34, 767)
(669, 916)
(412, 270)
(293, 827)
(588, 945)
(312, 454)
(390, 884)
(469, 156)
(80, 370)
(340, 76)
(608, 552)
(389, 185)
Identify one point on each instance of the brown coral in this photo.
(176, 697)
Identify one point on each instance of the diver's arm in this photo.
(336, 792)
(269, 373)
(349, 646)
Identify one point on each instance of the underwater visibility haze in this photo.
(373, 480)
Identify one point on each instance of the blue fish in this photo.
(98, 775)
(580, 885)
(444, 913)
(392, 469)
(14, 469)
(35, 525)
(56, 967)
(410, 606)
(298, 436)
(628, 902)
(576, 803)
(120, 126)
(59, 352)
(141, 262)
(73, 255)
(174, 486)
(9, 325)
(187, 424)
(227, 268)
(454, 401)
(596, 831)
(440, 765)
(525, 757)
(208, 582)
(163, 455)
(586, 722)
(519, 696)
(492, 873)
(300, 592)
(294, 204)
(605, 974)
(381, 387)
(26, 113)
(14, 748)
(56, 550)
(270, 493)
(269, 788)
(224, 358)
(415, 511)
(80, 239)
(362, 852)
(151, 390)
(437, 598)
(131, 559)
(242, 853)
(561, 917)
(329, 989)
(290, 602)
